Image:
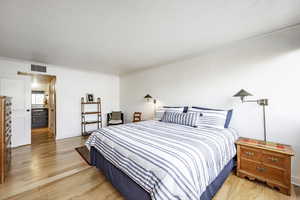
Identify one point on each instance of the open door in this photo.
(41, 104)
(52, 108)
(18, 87)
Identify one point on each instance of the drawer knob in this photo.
(273, 159)
(260, 169)
(248, 153)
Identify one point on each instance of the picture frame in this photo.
(89, 97)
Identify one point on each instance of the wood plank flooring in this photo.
(54, 170)
(40, 135)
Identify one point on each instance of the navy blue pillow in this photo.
(228, 116)
(185, 109)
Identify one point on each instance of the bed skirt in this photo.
(132, 191)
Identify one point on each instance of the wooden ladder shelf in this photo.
(84, 113)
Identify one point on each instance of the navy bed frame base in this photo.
(132, 191)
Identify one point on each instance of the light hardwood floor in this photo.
(40, 136)
(54, 170)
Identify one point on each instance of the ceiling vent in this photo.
(38, 68)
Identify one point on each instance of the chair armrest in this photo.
(108, 118)
(122, 118)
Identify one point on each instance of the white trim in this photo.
(296, 180)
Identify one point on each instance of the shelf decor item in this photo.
(84, 114)
(262, 102)
(89, 97)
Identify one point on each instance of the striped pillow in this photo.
(188, 119)
(210, 118)
(228, 117)
(160, 112)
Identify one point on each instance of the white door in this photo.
(19, 88)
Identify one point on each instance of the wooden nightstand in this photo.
(269, 162)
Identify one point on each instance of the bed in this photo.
(157, 160)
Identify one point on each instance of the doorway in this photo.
(43, 108)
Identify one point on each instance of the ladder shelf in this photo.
(84, 114)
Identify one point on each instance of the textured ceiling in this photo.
(119, 36)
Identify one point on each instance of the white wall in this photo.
(267, 66)
(71, 85)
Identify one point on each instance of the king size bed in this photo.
(158, 160)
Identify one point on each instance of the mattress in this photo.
(168, 161)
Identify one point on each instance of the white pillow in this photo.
(210, 118)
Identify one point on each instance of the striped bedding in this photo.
(169, 161)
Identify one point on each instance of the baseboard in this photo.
(296, 180)
(67, 136)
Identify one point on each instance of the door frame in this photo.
(54, 91)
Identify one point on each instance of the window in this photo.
(37, 97)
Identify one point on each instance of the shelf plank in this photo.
(91, 122)
(90, 113)
(90, 102)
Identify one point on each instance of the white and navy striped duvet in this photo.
(169, 161)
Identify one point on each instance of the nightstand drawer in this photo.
(254, 168)
(250, 153)
(274, 159)
(265, 172)
(275, 174)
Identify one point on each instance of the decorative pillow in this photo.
(228, 116)
(210, 118)
(188, 119)
(160, 112)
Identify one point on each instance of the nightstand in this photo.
(268, 162)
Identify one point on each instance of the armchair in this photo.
(115, 118)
